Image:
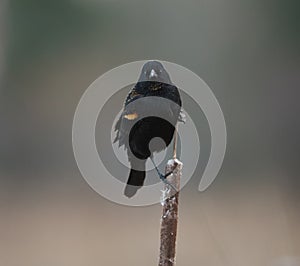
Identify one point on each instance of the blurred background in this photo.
(246, 51)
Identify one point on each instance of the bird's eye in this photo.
(160, 71)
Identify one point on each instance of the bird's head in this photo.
(154, 71)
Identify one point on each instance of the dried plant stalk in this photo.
(169, 217)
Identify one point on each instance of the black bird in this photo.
(138, 124)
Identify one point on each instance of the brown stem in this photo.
(175, 143)
(169, 217)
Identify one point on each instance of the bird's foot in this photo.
(164, 177)
(165, 180)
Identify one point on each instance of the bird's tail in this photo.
(135, 180)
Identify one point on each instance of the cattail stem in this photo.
(175, 142)
(169, 217)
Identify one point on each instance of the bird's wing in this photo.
(128, 117)
(176, 104)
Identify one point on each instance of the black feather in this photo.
(136, 133)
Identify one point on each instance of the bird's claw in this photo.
(164, 177)
(167, 174)
(165, 180)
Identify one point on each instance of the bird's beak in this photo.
(153, 74)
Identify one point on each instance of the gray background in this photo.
(246, 51)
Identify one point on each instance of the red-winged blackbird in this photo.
(145, 118)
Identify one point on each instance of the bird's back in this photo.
(142, 102)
